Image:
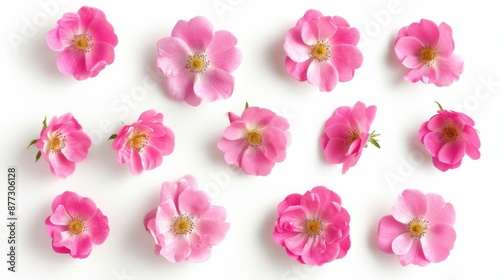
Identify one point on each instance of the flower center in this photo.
(427, 55)
(321, 51)
(313, 227)
(182, 225)
(417, 227)
(57, 142)
(82, 43)
(76, 226)
(450, 133)
(351, 136)
(197, 63)
(138, 140)
(254, 138)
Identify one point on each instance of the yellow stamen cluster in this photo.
(182, 225)
(321, 51)
(351, 136)
(82, 43)
(57, 142)
(313, 227)
(254, 138)
(77, 226)
(417, 227)
(450, 133)
(138, 141)
(427, 55)
(197, 63)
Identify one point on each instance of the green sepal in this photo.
(246, 105)
(373, 140)
(439, 105)
(38, 155)
(33, 142)
(44, 122)
(113, 136)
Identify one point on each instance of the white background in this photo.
(32, 87)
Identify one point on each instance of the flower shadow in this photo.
(276, 56)
(102, 157)
(371, 238)
(38, 54)
(394, 64)
(276, 254)
(39, 170)
(417, 152)
(40, 244)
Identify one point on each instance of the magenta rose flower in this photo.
(144, 143)
(185, 225)
(255, 141)
(420, 229)
(448, 136)
(427, 50)
(313, 228)
(87, 41)
(75, 225)
(322, 50)
(346, 133)
(197, 62)
(62, 144)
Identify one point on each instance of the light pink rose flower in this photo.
(62, 144)
(313, 228)
(197, 62)
(87, 42)
(75, 225)
(347, 132)
(144, 143)
(255, 141)
(427, 50)
(448, 136)
(322, 50)
(420, 229)
(185, 225)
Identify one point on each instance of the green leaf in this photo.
(33, 142)
(44, 122)
(112, 137)
(246, 105)
(38, 155)
(439, 105)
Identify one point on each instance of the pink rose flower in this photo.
(322, 50)
(62, 144)
(427, 50)
(144, 143)
(255, 141)
(185, 226)
(75, 225)
(313, 228)
(420, 229)
(347, 133)
(87, 42)
(448, 136)
(197, 62)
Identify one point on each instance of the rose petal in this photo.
(222, 52)
(410, 204)
(438, 242)
(388, 230)
(322, 74)
(214, 84)
(197, 33)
